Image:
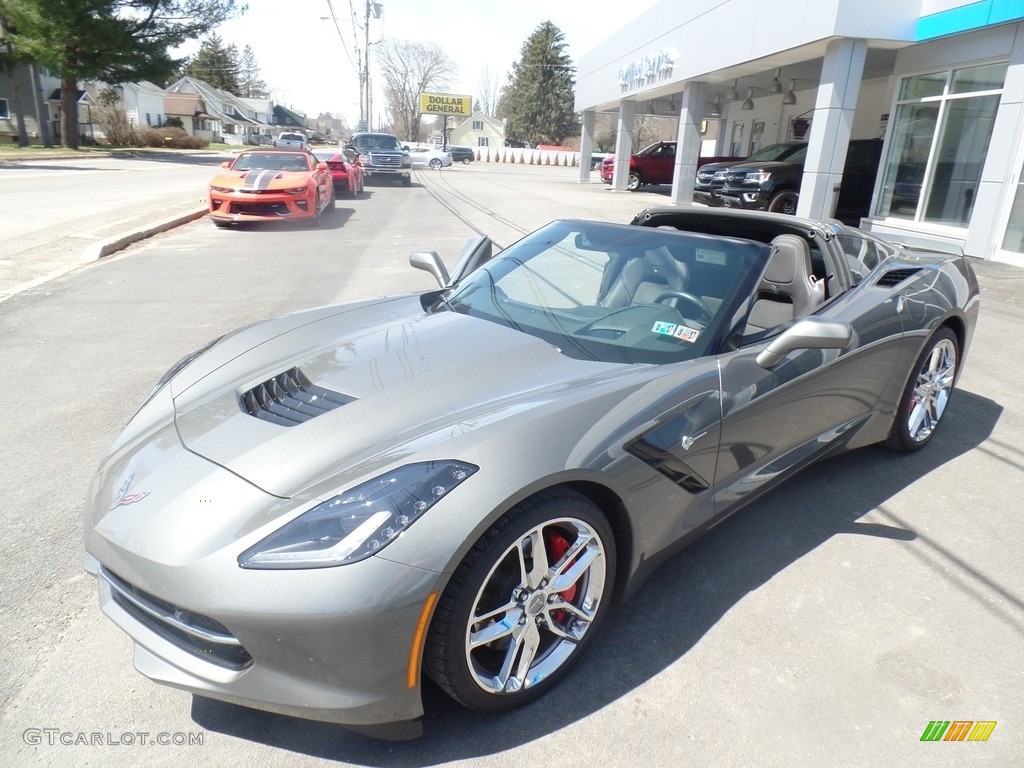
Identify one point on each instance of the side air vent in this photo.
(290, 399)
(894, 277)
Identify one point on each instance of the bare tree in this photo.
(488, 88)
(409, 69)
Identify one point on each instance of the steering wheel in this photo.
(706, 315)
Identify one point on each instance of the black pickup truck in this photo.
(382, 157)
(775, 185)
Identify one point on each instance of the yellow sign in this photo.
(446, 104)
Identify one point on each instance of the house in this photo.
(144, 104)
(32, 85)
(229, 119)
(478, 130)
(288, 119)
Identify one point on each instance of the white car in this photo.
(428, 157)
(291, 140)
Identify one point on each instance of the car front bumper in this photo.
(338, 645)
(263, 206)
(748, 200)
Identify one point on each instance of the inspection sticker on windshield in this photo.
(683, 333)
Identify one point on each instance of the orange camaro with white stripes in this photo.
(271, 185)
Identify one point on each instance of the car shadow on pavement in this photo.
(680, 603)
(329, 220)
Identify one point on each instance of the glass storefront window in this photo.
(940, 136)
(1013, 241)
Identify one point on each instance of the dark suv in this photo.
(711, 176)
(462, 154)
(382, 157)
(775, 186)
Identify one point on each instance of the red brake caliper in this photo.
(557, 546)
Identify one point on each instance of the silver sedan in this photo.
(426, 157)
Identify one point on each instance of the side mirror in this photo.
(322, 166)
(225, 164)
(430, 261)
(808, 333)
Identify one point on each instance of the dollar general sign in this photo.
(446, 104)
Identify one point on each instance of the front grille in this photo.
(290, 398)
(894, 277)
(385, 161)
(260, 209)
(199, 635)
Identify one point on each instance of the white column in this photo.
(834, 106)
(623, 144)
(586, 145)
(688, 142)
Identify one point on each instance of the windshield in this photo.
(271, 161)
(774, 152)
(378, 142)
(611, 293)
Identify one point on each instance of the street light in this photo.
(372, 10)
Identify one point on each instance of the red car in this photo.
(271, 184)
(348, 175)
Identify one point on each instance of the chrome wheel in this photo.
(524, 604)
(932, 390)
(634, 182)
(784, 202)
(535, 606)
(926, 394)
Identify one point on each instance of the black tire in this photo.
(316, 210)
(784, 202)
(406, 181)
(435, 164)
(466, 161)
(521, 618)
(330, 206)
(634, 182)
(926, 394)
(221, 224)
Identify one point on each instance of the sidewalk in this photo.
(56, 222)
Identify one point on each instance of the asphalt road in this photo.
(824, 626)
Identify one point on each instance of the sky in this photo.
(304, 63)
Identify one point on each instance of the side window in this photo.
(862, 255)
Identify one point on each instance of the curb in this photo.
(102, 248)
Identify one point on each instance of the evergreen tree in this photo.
(216, 64)
(113, 40)
(537, 102)
(249, 82)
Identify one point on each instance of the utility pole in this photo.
(373, 10)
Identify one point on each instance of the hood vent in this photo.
(894, 277)
(290, 398)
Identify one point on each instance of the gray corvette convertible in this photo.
(311, 513)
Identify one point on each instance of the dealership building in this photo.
(940, 81)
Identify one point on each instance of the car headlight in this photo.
(407, 162)
(359, 522)
(296, 190)
(758, 177)
(223, 190)
(365, 160)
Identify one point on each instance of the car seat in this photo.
(644, 278)
(788, 287)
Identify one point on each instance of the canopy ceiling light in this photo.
(732, 94)
(790, 95)
(775, 86)
(748, 103)
(716, 108)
